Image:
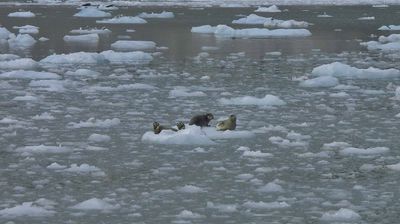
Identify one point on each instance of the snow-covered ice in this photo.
(272, 8)
(92, 39)
(270, 22)
(92, 13)
(153, 15)
(133, 45)
(123, 20)
(22, 14)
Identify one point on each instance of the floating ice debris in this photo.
(21, 14)
(89, 31)
(229, 32)
(56, 166)
(192, 135)
(30, 209)
(43, 116)
(132, 45)
(225, 208)
(186, 214)
(395, 167)
(21, 41)
(99, 138)
(390, 27)
(92, 13)
(367, 18)
(84, 73)
(161, 15)
(123, 20)
(49, 85)
(397, 93)
(390, 43)
(21, 74)
(107, 7)
(27, 29)
(270, 188)
(212, 133)
(265, 205)
(272, 8)
(268, 100)
(184, 92)
(26, 98)
(360, 151)
(95, 204)
(43, 39)
(325, 81)
(380, 6)
(324, 15)
(135, 57)
(4, 33)
(342, 215)
(92, 39)
(43, 149)
(256, 154)
(190, 189)
(85, 169)
(93, 122)
(123, 87)
(338, 69)
(8, 57)
(270, 22)
(22, 63)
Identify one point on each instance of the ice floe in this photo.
(21, 41)
(89, 31)
(229, 32)
(186, 214)
(267, 100)
(21, 74)
(123, 20)
(270, 22)
(95, 204)
(43, 149)
(91, 39)
(363, 152)
(133, 45)
(43, 116)
(21, 63)
(84, 169)
(265, 205)
(83, 73)
(390, 43)
(123, 87)
(48, 85)
(190, 189)
(271, 187)
(27, 29)
(342, 215)
(4, 33)
(31, 209)
(390, 27)
(92, 13)
(27, 14)
(161, 15)
(93, 122)
(324, 81)
(135, 57)
(272, 8)
(367, 18)
(338, 69)
(185, 92)
(99, 138)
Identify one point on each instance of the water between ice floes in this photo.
(75, 142)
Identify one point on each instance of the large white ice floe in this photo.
(88, 39)
(27, 14)
(161, 15)
(342, 215)
(267, 100)
(27, 29)
(254, 19)
(193, 135)
(324, 81)
(31, 209)
(95, 204)
(272, 8)
(123, 20)
(390, 27)
(133, 45)
(92, 12)
(89, 31)
(22, 63)
(338, 69)
(21, 41)
(4, 33)
(390, 43)
(134, 57)
(21, 74)
(229, 32)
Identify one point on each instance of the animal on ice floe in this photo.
(228, 124)
(201, 120)
(158, 128)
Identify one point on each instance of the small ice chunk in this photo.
(272, 8)
(85, 169)
(123, 20)
(184, 92)
(390, 27)
(132, 45)
(395, 167)
(367, 18)
(21, 63)
(99, 138)
(325, 81)
(186, 214)
(161, 15)
(29, 209)
(95, 204)
(190, 189)
(268, 100)
(4, 33)
(56, 166)
(270, 188)
(361, 151)
(256, 154)
(90, 31)
(43, 149)
(22, 14)
(21, 74)
(342, 215)
(43, 116)
(27, 29)
(93, 122)
(265, 205)
(92, 39)
(324, 15)
(21, 41)
(84, 73)
(49, 85)
(92, 12)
